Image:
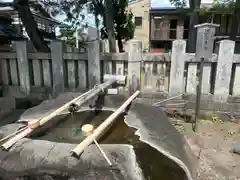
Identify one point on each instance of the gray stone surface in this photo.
(7, 104)
(155, 129)
(224, 67)
(23, 69)
(231, 107)
(236, 148)
(57, 66)
(93, 64)
(134, 65)
(35, 157)
(177, 67)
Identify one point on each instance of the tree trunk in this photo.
(194, 18)
(120, 44)
(235, 19)
(110, 24)
(192, 33)
(30, 24)
(234, 27)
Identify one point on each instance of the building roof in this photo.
(11, 11)
(165, 10)
(206, 5)
(7, 31)
(169, 10)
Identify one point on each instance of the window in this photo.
(217, 20)
(132, 1)
(158, 24)
(173, 34)
(173, 29)
(173, 24)
(138, 21)
(185, 34)
(185, 27)
(224, 23)
(186, 23)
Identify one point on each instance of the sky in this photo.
(154, 4)
(166, 3)
(90, 18)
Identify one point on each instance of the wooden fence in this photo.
(171, 73)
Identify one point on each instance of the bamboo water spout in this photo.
(39, 122)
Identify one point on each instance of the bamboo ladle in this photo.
(87, 130)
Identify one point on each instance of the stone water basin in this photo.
(142, 145)
(154, 165)
(68, 129)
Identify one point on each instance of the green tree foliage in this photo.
(45, 7)
(194, 6)
(179, 3)
(198, 15)
(123, 23)
(23, 8)
(67, 33)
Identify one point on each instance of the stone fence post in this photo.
(134, 65)
(23, 67)
(57, 67)
(224, 70)
(104, 46)
(94, 75)
(176, 86)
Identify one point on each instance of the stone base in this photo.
(185, 106)
(7, 104)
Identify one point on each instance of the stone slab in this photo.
(153, 128)
(7, 104)
(36, 157)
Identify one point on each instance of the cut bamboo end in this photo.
(80, 100)
(33, 124)
(16, 138)
(120, 79)
(87, 129)
(12, 134)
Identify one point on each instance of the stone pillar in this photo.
(134, 65)
(104, 46)
(94, 74)
(23, 68)
(180, 29)
(224, 70)
(57, 67)
(176, 86)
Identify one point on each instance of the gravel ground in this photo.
(213, 145)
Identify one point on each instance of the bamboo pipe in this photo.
(16, 138)
(12, 134)
(82, 99)
(99, 130)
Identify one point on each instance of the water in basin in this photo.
(68, 129)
